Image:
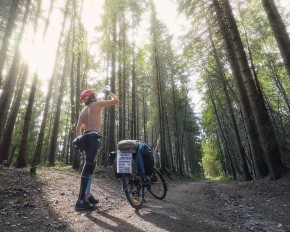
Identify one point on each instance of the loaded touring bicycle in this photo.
(134, 164)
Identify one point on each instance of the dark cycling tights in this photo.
(91, 150)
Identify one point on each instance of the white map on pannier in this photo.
(124, 163)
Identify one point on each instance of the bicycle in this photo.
(134, 186)
(134, 183)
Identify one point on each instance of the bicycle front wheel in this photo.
(158, 187)
(134, 191)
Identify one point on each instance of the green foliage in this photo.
(192, 177)
(226, 178)
(210, 159)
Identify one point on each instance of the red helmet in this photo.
(86, 94)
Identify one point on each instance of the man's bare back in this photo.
(91, 115)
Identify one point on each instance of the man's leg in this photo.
(82, 203)
(85, 178)
(88, 190)
(88, 169)
(89, 197)
(89, 166)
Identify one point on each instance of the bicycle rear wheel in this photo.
(133, 189)
(158, 187)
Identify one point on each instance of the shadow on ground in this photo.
(23, 206)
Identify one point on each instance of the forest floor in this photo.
(46, 203)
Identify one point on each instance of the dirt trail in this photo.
(46, 203)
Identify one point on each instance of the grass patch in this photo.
(226, 178)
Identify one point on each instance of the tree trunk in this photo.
(31, 98)
(222, 157)
(133, 108)
(38, 149)
(279, 31)
(169, 155)
(76, 154)
(144, 121)
(159, 86)
(262, 119)
(261, 169)
(6, 143)
(161, 110)
(120, 107)
(73, 105)
(124, 94)
(65, 140)
(9, 84)
(7, 35)
(122, 79)
(229, 161)
(175, 120)
(56, 121)
(112, 116)
(240, 148)
(21, 159)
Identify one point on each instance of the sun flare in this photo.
(40, 57)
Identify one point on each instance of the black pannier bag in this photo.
(117, 175)
(112, 161)
(148, 159)
(111, 158)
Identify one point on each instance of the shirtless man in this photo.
(91, 119)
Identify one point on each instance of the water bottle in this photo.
(104, 92)
(106, 89)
